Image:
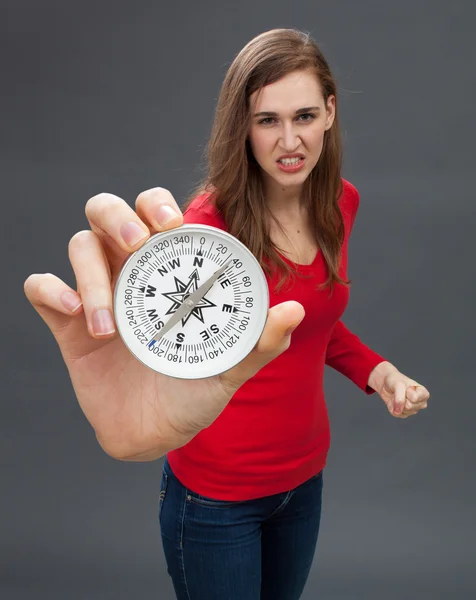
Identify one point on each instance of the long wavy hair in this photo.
(233, 176)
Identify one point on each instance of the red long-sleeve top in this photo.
(274, 434)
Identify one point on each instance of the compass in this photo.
(192, 302)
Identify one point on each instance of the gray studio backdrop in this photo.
(119, 97)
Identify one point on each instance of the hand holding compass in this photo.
(135, 409)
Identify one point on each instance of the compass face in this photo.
(210, 335)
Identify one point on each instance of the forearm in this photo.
(378, 374)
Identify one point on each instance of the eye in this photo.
(263, 121)
(308, 115)
(311, 117)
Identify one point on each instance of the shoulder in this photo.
(350, 196)
(202, 211)
(349, 200)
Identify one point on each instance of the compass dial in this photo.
(207, 292)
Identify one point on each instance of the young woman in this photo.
(241, 489)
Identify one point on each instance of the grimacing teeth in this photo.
(290, 161)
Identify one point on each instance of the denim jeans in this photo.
(258, 549)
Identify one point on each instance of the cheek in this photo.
(260, 144)
(315, 138)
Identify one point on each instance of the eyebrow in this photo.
(298, 112)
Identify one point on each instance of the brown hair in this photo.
(234, 179)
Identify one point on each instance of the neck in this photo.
(283, 201)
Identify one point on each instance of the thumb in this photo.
(274, 340)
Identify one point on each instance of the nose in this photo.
(290, 139)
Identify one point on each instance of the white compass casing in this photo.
(222, 328)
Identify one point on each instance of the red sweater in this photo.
(274, 434)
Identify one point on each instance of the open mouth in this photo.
(290, 162)
(290, 165)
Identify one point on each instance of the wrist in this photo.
(378, 374)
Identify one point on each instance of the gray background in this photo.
(119, 97)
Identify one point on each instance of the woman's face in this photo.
(291, 130)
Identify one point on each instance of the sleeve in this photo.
(345, 352)
(351, 357)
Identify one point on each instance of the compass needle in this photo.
(190, 303)
(214, 335)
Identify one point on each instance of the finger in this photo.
(415, 405)
(417, 393)
(399, 397)
(157, 208)
(274, 340)
(121, 230)
(407, 413)
(55, 301)
(111, 217)
(423, 395)
(93, 279)
(417, 397)
(403, 415)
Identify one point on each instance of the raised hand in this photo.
(136, 413)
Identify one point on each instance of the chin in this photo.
(285, 180)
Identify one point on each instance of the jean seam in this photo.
(283, 503)
(182, 564)
(210, 503)
(162, 495)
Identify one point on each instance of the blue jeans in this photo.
(244, 550)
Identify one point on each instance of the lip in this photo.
(291, 168)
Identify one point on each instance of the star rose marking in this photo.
(181, 293)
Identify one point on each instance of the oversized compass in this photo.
(192, 302)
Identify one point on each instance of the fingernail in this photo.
(165, 214)
(103, 323)
(70, 301)
(132, 233)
